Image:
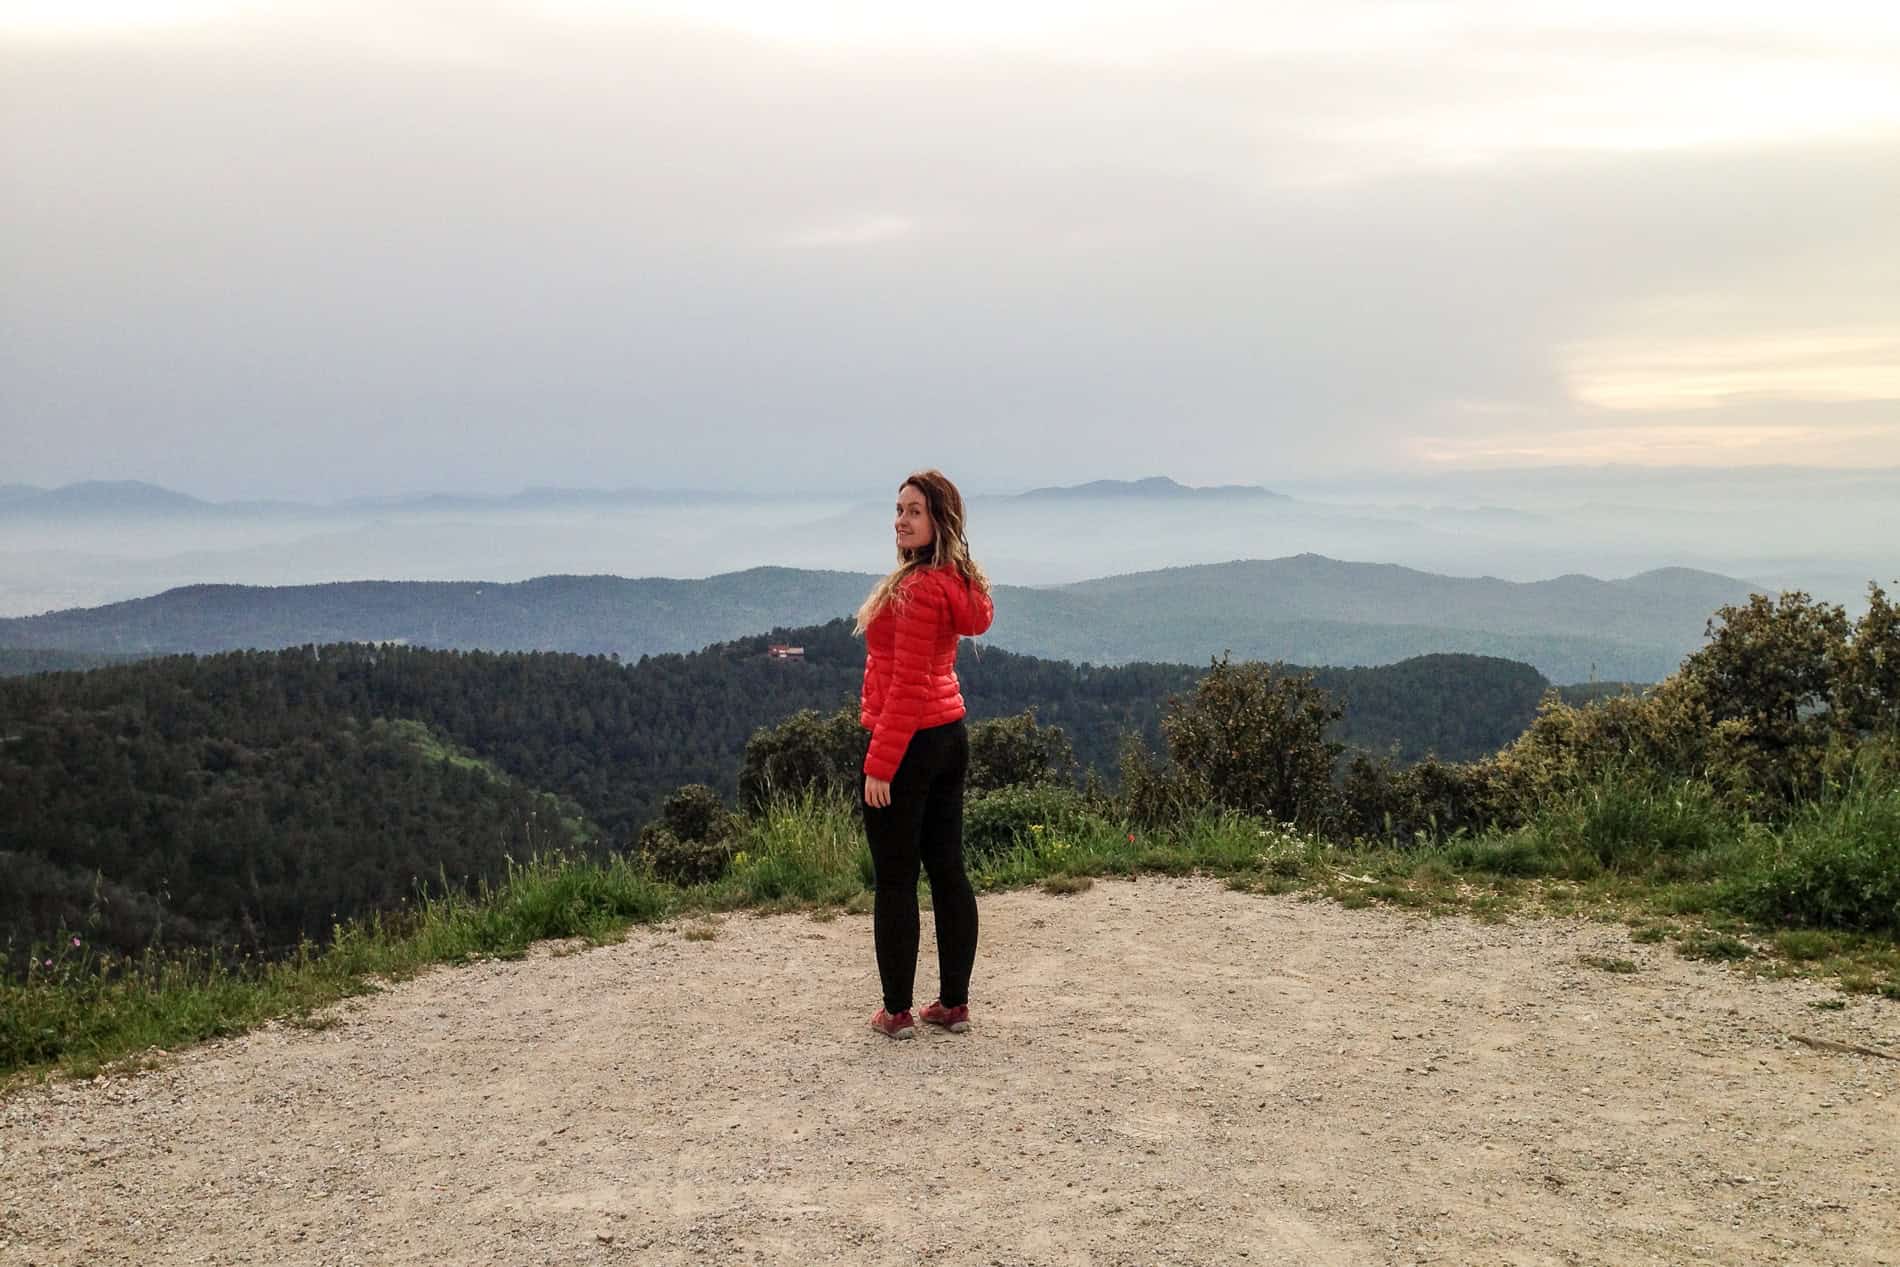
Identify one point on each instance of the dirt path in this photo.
(1161, 1072)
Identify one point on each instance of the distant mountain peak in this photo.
(1153, 487)
(110, 496)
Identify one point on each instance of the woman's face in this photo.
(914, 529)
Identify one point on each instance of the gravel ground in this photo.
(1160, 1071)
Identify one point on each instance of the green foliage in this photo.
(1766, 679)
(82, 1006)
(225, 805)
(1609, 963)
(1836, 864)
(693, 841)
(1625, 821)
(1252, 738)
(803, 753)
(811, 849)
(1009, 818)
(248, 800)
(1432, 800)
(1015, 751)
(1866, 691)
(1767, 712)
(1721, 947)
(683, 862)
(1665, 730)
(1516, 855)
(695, 812)
(1154, 793)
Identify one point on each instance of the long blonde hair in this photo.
(948, 545)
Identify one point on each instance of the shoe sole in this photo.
(895, 1033)
(955, 1027)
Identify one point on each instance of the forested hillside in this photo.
(16, 662)
(252, 797)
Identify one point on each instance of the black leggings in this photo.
(924, 823)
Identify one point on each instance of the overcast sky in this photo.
(337, 248)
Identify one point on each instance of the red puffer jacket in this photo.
(910, 662)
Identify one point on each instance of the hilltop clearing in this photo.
(1162, 1071)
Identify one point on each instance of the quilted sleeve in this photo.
(918, 620)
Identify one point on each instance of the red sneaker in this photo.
(899, 1026)
(955, 1019)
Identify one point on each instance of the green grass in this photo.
(80, 1010)
(1804, 898)
(1835, 865)
(1609, 963)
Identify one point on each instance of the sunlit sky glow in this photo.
(354, 246)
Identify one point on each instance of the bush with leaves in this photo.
(1566, 746)
(1252, 738)
(1773, 707)
(805, 752)
(1866, 695)
(1153, 792)
(1836, 863)
(1767, 680)
(998, 821)
(692, 842)
(1016, 752)
(1428, 800)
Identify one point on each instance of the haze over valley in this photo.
(1825, 531)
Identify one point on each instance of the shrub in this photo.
(1866, 695)
(1016, 752)
(695, 812)
(683, 862)
(804, 753)
(1252, 738)
(1518, 855)
(1666, 729)
(1153, 794)
(1626, 820)
(694, 840)
(1837, 866)
(1431, 800)
(994, 823)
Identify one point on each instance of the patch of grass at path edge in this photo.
(83, 1012)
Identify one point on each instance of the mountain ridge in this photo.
(1303, 609)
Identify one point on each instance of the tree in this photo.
(805, 752)
(1767, 680)
(1867, 677)
(1016, 752)
(1252, 738)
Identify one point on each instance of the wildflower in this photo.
(75, 941)
(48, 962)
(739, 859)
(1131, 837)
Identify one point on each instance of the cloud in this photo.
(868, 230)
(557, 246)
(1664, 445)
(1651, 374)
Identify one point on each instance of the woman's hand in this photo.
(877, 792)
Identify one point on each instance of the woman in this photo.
(919, 750)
